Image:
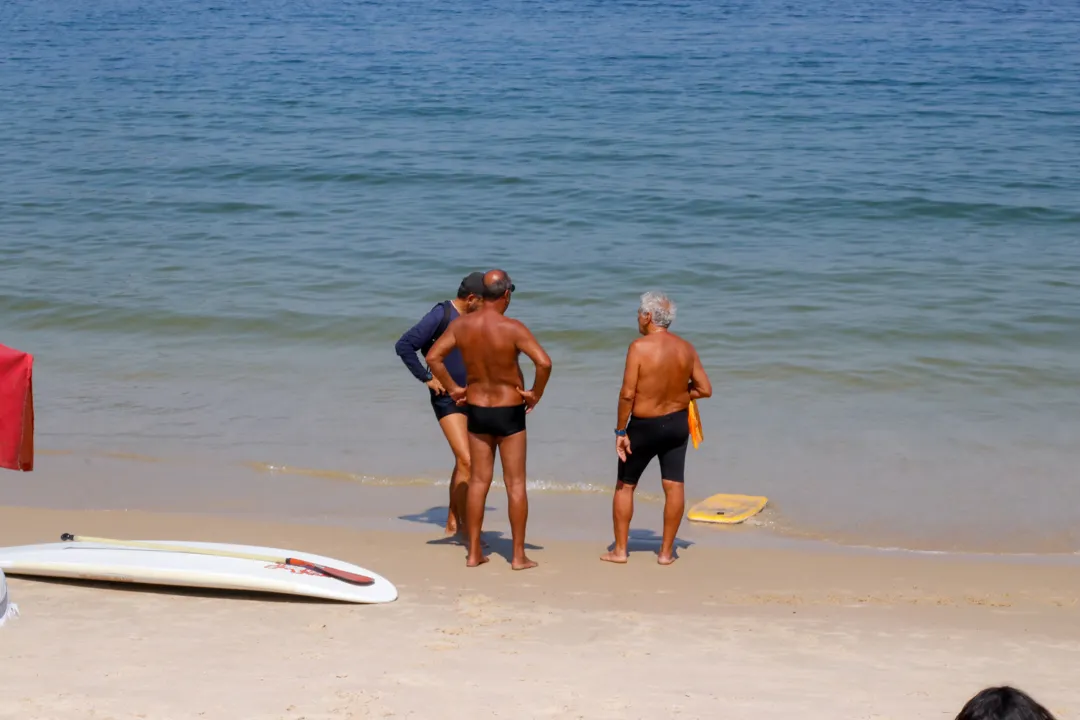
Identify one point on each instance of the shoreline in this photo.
(111, 480)
(762, 575)
(757, 631)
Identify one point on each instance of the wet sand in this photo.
(733, 632)
(191, 483)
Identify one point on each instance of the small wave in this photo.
(285, 175)
(221, 207)
(541, 485)
(920, 207)
(339, 475)
(135, 457)
(41, 314)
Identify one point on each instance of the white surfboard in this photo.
(112, 563)
(8, 609)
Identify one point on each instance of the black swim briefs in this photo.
(444, 405)
(496, 421)
(664, 437)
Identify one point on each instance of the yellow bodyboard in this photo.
(727, 509)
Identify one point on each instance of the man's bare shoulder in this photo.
(643, 348)
(515, 326)
(461, 322)
(683, 341)
(661, 345)
(686, 349)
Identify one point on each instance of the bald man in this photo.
(496, 403)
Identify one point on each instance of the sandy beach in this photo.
(219, 219)
(737, 632)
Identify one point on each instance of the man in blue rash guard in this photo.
(419, 338)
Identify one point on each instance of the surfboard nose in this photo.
(7, 608)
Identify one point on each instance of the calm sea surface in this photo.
(217, 217)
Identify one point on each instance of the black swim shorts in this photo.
(444, 405)
(496, 421)
(664, 437)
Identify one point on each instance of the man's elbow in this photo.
(544, 363)
(705, 390)
(627, 396)
(433, 359)
(408, 344)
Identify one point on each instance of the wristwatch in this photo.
(430, 377)
(620, 433)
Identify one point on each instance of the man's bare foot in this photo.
(615, 557)
(476, 563)
(451, 529)
(524, 564)
(666, 559)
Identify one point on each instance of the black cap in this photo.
(471, 284)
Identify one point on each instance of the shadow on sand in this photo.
(433, 516)
(194, 592)
(649, 541)
(495, 541)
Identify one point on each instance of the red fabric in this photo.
(16, 410)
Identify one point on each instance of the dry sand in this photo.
(735, 633)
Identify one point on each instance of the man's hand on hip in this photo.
(530, 397)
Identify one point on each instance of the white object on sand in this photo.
(8, 609)
(172, 566)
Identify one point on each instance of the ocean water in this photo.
(216, 219)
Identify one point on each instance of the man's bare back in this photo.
(490, 344)
(664, 364)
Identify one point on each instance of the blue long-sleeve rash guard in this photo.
(420, 337)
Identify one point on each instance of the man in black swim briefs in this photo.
(663, 374)
(496, 402)
(497, 422)
(419, 338)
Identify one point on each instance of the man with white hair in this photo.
(663, 375)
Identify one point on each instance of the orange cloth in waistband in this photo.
(695, 425)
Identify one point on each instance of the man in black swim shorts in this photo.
(496, 402)
(420, 337)
(663, 374)
(664, 437)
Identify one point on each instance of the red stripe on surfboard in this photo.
(343, 575)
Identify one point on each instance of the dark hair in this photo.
(1003, 703)
(497, 287)
(471, 284)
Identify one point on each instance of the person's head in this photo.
(657, 311)
(497, 289)
(1003, 703)
(471, 291)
